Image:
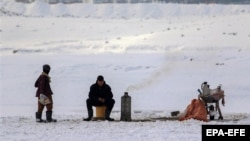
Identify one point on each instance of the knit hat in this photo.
(100, 78)
(46, 68)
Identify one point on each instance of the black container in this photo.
(126, 107)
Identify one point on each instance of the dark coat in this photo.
(97, 91)
(43, 85)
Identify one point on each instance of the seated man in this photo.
(212, 96)
(100, 94)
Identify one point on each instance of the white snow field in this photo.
(158, 53)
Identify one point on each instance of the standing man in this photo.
(44, 94)
(100, 94)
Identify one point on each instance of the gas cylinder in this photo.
(126, 107)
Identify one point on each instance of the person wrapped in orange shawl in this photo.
(195, 110)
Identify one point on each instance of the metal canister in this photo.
(126, 107)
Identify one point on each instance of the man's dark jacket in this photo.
(103, 91)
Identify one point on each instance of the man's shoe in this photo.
(107, 115)
(87, 119)
(90, 115)
(109, 119)
(220, 118)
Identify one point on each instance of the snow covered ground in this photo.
(158, 53)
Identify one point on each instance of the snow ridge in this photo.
(118, 11)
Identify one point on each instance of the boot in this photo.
(220, 118)
(107, 114)
(39, 117)
(49, 117)
(90, 113)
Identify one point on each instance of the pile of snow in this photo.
(119, 11)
